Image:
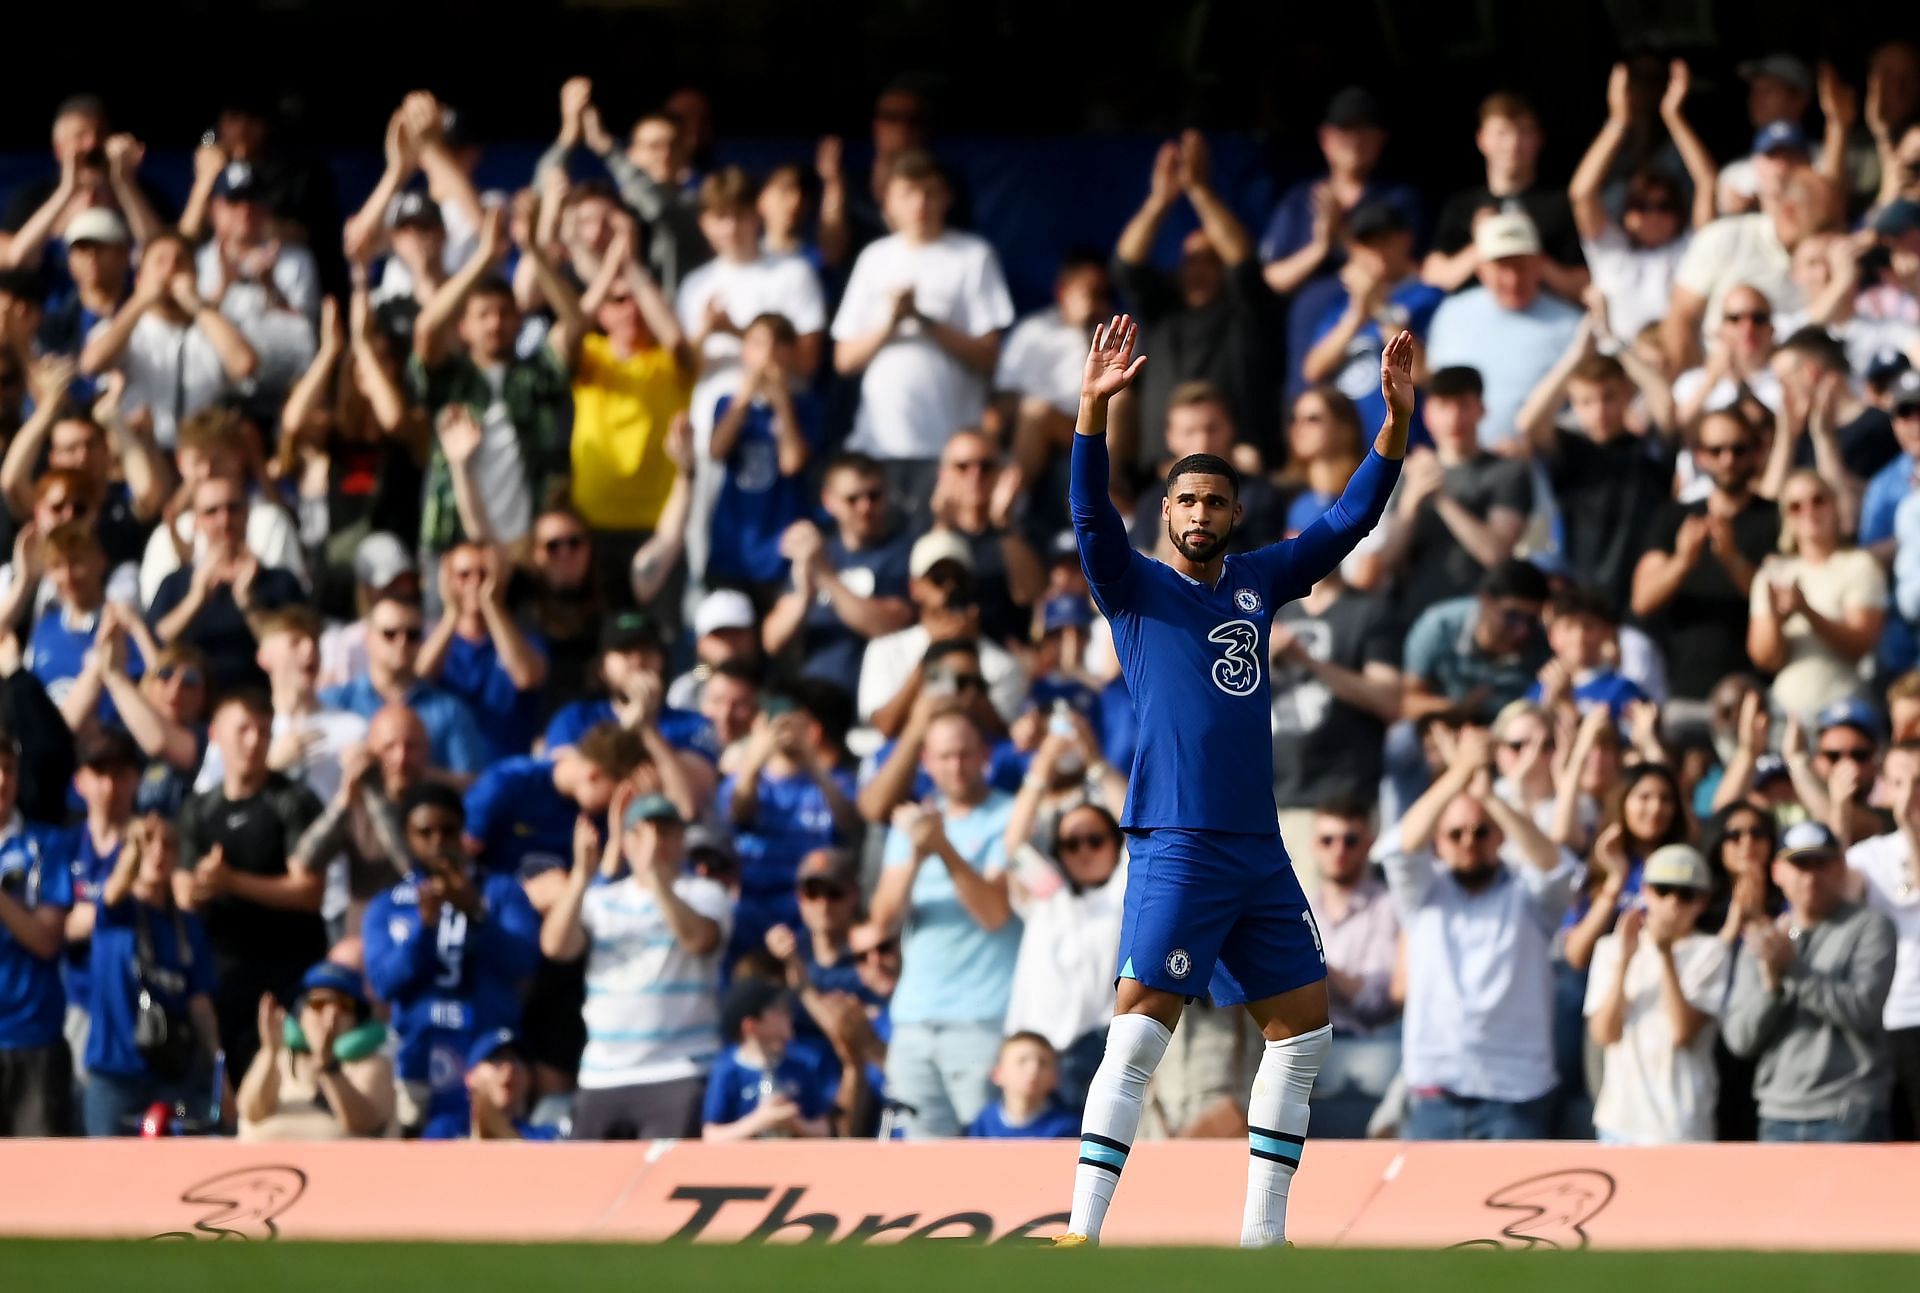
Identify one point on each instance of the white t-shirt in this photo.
(1692, 484)
(1063, 977)
(499, 472)
(653, 1008)
(890, 660)
(1637, 281)
(271, 536)
(1655, 1093)
(1892, 876)
(1735, 251)
(1043, 359)
(172, 371)
(775, 283)
(283, 340)
(1816, 675)
(319, 769)
(914, 395)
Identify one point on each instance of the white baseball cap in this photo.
(721, 609)
(934, 547)
(98, 224)
(1510, 233)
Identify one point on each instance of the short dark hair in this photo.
(613, 749)
(252, 699)
(1078, 257)
(432, 794)
(1598, 369)
(490, 285)
(28, 285)
(1453, 383)
(741, 669)
(916, 166)
(82, 105)
(778, 324)
(1822, 347)
(1028, 1035)
(1198, 391)
(1204, 464)
(1348, 808)
(938, 651)
(861, 464)
(1515, 578)
(1575, 600)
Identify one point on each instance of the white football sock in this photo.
(1277, 1130)
(1118, 1092)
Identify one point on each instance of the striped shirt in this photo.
(653, 1008)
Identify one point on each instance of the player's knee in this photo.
(1136, 1042)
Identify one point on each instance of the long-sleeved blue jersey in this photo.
(1195, 658)
(449, 984)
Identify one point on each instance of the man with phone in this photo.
(448, 949)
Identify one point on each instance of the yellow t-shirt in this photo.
(621, 411)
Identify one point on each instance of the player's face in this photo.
(1201, 512)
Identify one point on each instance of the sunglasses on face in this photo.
(967, 682)
(189, 677)
(970, 465)
(1460, 834)
(889, 948)
(861, 496)
(402, 632)
(1850, 753)
(1726, 449)
(1081, 843)
(1741, 833)
(1799, 505)
(1650, 207)
(1350, 839)
(1670, 891)
(1758, 318)
(563, 543)
(822, 890)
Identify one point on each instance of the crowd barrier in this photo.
(1350, 1194)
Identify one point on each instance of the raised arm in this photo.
(365, 227)
(1136, 239)
(1583, 192)
(1229, 237)
(1694, 153)
(50, 379)
(1536, 417)
(437, 316)
(124, 155)
(1105, 554)
(28, 243)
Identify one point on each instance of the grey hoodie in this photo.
(1822, 1051)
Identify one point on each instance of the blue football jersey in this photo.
(1195, 658)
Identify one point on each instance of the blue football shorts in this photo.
(1216, 914)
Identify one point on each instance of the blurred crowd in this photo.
(607, 659)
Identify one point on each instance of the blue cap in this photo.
(330, 977)
(238, 182)
(650, 808)
(1065, 611)
(1852, 712)
(1897, 218)
(1780, 137)
(1553, 564)
(1768, 767)
(1809, 840)
(1885, 364)
(489, 1044)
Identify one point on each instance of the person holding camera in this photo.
(149, 988)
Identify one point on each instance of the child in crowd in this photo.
(1581, 627)
(1027, 1073)
(757, 1090)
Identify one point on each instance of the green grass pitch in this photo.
(208, 1267)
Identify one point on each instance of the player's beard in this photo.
(1199, 556)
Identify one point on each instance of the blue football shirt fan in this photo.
(501, 1085)
(1212, 903)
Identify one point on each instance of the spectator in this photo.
(941, 584)
(1698, 571)
(268, 288)
(260, 907)
(1214, 320)
(1027, 1075)
(1816, 611)
(820, 965)
(920, 321)
(1069, 905)
(178, 354)
(1506, 329)
(479, 652)
(1525, 759)
(448, 950)
(394, 635)
(1608, 480)
(104, 782)
(725, 630)
(766, 434)
(718, 301)
(1479, 914)
(1478, 653)
(1581, 631)
(1303, 234)
(209, 604)
(787, 799)
(361, 827)
(1737, 372)
(66, 631)
(321, 1075)
(498, 1084)
(652, 942)
(1752, 250)
(99, 260)
(165, 713)
(1510, 139)
(1036, 389)
(145, 955)
(36, 893)
(381, 564)
(1199, 421)
(1066, 771)
(1634, 260)
(96, 172)
(1887, 869)
(1653, 997)
(960, 938)
(1358, 929)
(848, 587)
(217, 443)
(1460, 509)
(1780, 89)
(630, 390)
(759, 1089)
(952, 681)
(729, 702)
(1808, 996)
(973, 497)
(1381, 296)
(512, 437)
(521, 811)
(1825, 425)
(1323, 448)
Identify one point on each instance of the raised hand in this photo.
(1396, 377)
(460, 434)
(575, 97)
(1164, 186)
(272, 1023)
(124, 155)
(827, 156)
(1839, 102)
(1196, 160)
(1619, 101)
(1111, 363)
(1679, 84)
